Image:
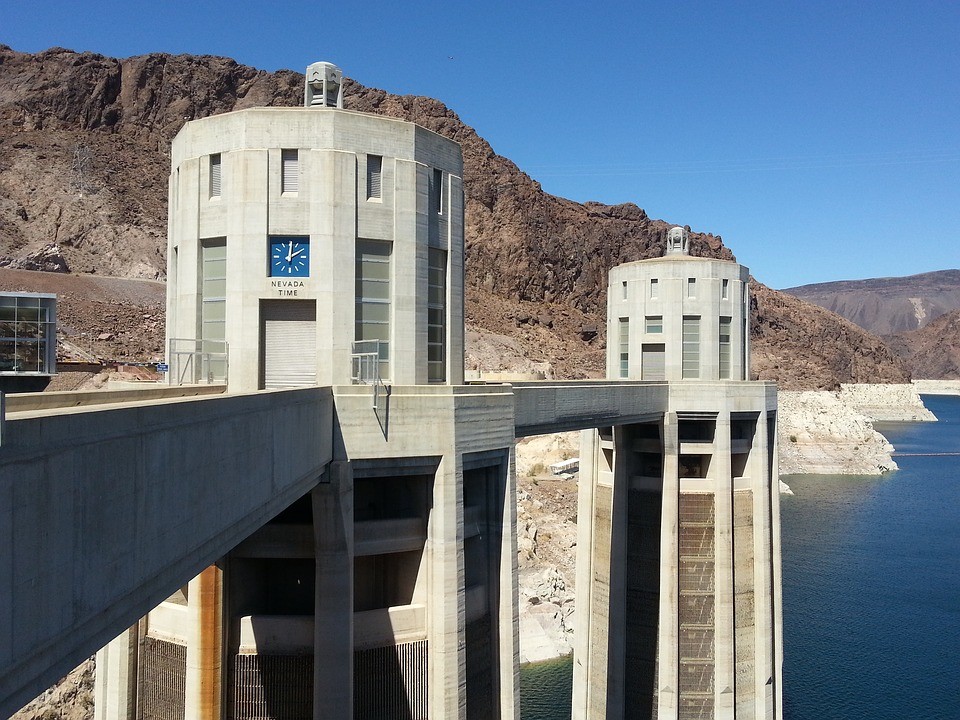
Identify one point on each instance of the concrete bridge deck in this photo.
(111, 501)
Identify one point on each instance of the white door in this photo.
(289, 337)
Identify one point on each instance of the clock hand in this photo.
(298, 252)
(290, 252)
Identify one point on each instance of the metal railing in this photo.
(197, 362)
(365, 368)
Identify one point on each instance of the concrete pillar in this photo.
(668, 695)
(617, 611)
(115, 679)
(204, 680)
(333, 605)
(446, 609)
(724, 637)
(589, 447)
(508, 622)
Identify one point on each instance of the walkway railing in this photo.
(197, 362)
(365, 368)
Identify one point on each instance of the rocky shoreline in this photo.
(832, 433)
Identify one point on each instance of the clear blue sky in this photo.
(821, 139)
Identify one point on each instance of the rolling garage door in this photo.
(289, 341)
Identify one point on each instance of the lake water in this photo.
(871, 590)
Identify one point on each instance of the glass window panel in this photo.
(8, 312)
(214, 249)
(373, 332)
(214, 329)
(374, 269)
(436, 372)
(373, 312)
(214, 310)
(29, 355)
(435, 334)
(215, 268)
(374, 289)
(214, 288)
(29, 313)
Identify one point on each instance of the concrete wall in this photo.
(629, 297)
(332, 209)
(105, 511)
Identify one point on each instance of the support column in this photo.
(724, 638)
(668, 663)
(332, 502)
(589, 448)
(617, 612)
(508, 621)
(204, 680)
(115, 679)
(446, 611)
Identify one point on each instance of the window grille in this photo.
(624, 343)
(690, 364)
(374, 177)
(290, 176)
(215, 176)
(437, 316)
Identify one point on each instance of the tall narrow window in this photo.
(654, 289)
(374, 177)
(624, 290)
(436, 191)
(624, 344)
(290, 171)
(690, 363)
(213, 305)
(691, 287)
(437, 316)
(215, 177)
(725, 323)
(372, 322)
(724, 289)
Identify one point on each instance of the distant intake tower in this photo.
(678, 566)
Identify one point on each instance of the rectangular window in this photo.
(25, 329)
(372, 322)
(690, 364)
(436, 191)
(437, 316)
(654, 289)
(624, 343)
(215, 176)
(290, 171)
(691, 287)
(213, 260)
(654, 324)
(374, 177)
(724, 289)
(624, 290)
(725, 323)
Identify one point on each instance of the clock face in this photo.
(289, 257)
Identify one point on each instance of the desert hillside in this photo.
(84, 159)
(933, 351)
(890, 305)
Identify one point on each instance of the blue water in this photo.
(871, 584)
(871, 590)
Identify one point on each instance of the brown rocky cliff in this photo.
(933, 351)
(83, 172)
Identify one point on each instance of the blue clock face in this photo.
(289, 257)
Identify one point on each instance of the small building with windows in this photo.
(28, 341)
(678, 549)
(678, 317)
(297, 232)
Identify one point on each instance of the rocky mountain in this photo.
(933, 351)
(84, 158)
(885, 306)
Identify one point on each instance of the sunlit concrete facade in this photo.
(303, 241)
(678, 564)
